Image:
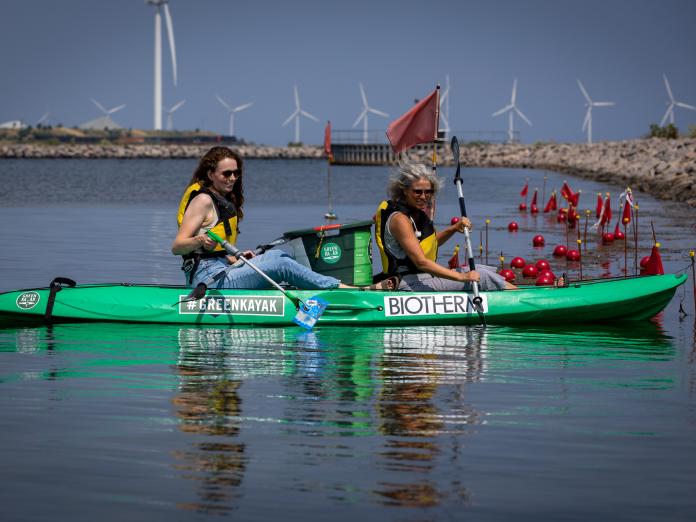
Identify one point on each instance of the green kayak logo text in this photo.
(28, 300)
(331, 253)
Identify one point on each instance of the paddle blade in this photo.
(309, 312)
(196, 294)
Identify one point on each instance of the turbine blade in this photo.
(360, 117)
(514, 92)
(588, 117)
(116, 109)
(519, 113)
(101, 107)
(603, 104)
(297, 99)
(378, 113)
(503, 110)
(669, 89)
(170, 34)
(664, 118)
(308, 115)
(445, 123)
(242, 107)
(685, 106)
(362, 94)
(584, 92)
(223, 102)
(177, 106)
(291, 117)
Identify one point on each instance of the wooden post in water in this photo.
(487, 223)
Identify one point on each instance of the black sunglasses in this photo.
(229, 173)
(420, 192)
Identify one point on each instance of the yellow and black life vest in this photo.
(423, 228)
(226, 225)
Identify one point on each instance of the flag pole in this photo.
(330, 214)
(635, 237)
(437, 127)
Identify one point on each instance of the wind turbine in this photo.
(511, 109)
(161, 5)
(366, 110)
(108, 112)
(170, 122)
(232, 111)
(444, 100)
(296, 116)
(672, 103)
(587, 124)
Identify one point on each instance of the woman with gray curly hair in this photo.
(408, 241)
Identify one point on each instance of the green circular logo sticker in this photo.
(330, 253)
(27, 300)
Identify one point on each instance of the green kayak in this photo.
(628, 299)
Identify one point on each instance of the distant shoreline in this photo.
(663, 168)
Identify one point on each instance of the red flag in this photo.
(575, 198)
(418, 125)
(453, 262)
(626, 217)
(525, 190)
(551, 204)
(566, 193)
(327, 141)
(534, 198)
(654, 264)
(572, 215)
(600, 203)
(606, 215)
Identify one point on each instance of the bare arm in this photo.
(402, 230)
(198, 213)
(444, 235)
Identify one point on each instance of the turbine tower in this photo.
(170, 121)
(366, 110)
(511, 109)
(161, 5)
(587, 124)
(296, 116)
(444, 100)
(108, 112)
(233, 111)
(672, 103)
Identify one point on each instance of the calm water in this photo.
(151, 422)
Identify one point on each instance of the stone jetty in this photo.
(663, 168)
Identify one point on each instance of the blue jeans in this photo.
(276, 264)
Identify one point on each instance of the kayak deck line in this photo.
(598, 300)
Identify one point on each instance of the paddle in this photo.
(478, 302)
(307, 315)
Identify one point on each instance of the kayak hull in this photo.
(625, 299)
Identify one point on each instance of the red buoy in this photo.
(573, 255)
(534, 209)
(619, 236)
(517, 262)
(523, 207)
(513, 226)
(542, 264)
(607, 238)
(561, 217)
(529, 271)
(544, 280)
(538, 241)
(454, 220)
(508, 274)
(560, 251)
(644, 262)
(546, 272)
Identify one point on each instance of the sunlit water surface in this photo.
(148, 422)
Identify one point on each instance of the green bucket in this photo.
(340, 251)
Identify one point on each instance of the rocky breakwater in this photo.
(135, 151)
(665, 169)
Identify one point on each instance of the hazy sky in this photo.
(57, 54)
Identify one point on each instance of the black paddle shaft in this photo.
(462, 204)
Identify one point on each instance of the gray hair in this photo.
(406, 175)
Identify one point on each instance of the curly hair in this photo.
(406, 175)
(208, 163)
